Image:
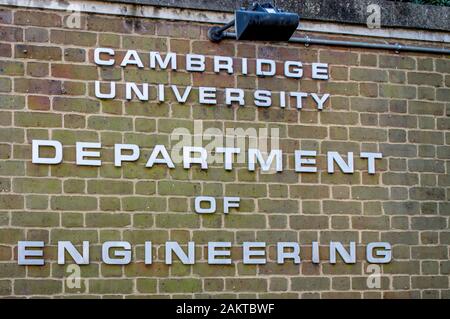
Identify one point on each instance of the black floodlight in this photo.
(260, 22)
(265, 22)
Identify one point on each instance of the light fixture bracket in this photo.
(262, 22)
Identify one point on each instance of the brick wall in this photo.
(397, 104)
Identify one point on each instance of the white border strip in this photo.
(147, 11)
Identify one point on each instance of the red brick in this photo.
(338, 57)
(210, 48)
(179, 46)
(37, 86)
(37, 18)
(278, 53)
(5, 16)
(146, 27)
(36, 69)
(177, 30)
(118, 25)
(74, 55)
(11, 68)
(5, 85)
(143, 43)
(70, 71)
(11, 34)
(5, 50)
(38, 102)
(24, 51)
(36, 35)
(73, 88)
(214, 80)
(74, 121)
(86, 39)
(246, 50)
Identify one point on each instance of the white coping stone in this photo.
(148, 11)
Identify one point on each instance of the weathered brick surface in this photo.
(397, 104)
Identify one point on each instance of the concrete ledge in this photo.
(393, 14)
(221, 17)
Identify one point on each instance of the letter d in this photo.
(37, 159)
